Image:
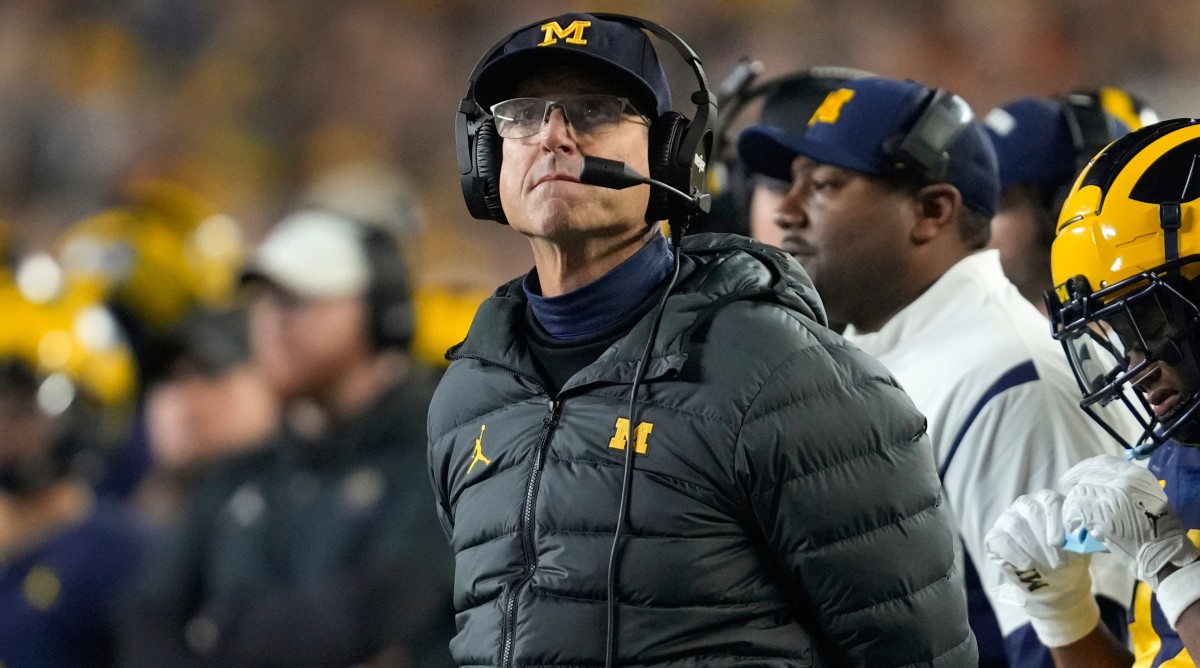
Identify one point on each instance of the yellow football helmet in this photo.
(161, 254)
(66, 380)
(1125, 260)
(1129, 108)
(70, 342)
(443, 315)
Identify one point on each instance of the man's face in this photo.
(849, 231)
(1025, 260)
(539, 185)
(765, 199)
(1170, 390)
(24, 427)
(306, 348)
(193, 416)
(1170, 383)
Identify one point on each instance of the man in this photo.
(66, 557)
(211, 401)
(893, 186)
(1126, 310)
(780, 507)
(746, 202)
(1042, 145)
(322, 548)
(159, 253)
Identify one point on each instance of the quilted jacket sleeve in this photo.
(839, 474)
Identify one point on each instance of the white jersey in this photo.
(1002, 403)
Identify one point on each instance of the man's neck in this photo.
(609, 302)
(358, 388)
(876, 310)
(28, 521)
(564, 267)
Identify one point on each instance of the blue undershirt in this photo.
(607, 304)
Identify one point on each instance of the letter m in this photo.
(831, 106)
(621, 436)
(572, 34)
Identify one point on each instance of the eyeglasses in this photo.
(587, 114)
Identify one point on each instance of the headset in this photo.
(388, 297)
(1091, 131)
(924, 151)
(679, 147)
(800, 93)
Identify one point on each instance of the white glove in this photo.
(1052, 586)
(1122, 504)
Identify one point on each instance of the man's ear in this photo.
(937, 205)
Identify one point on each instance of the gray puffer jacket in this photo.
(785, 508)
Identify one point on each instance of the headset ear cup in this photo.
(665, 133)
(388, 296)
(487, 166)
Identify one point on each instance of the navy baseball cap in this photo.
(858, 125)
(611, 48)
(793, 101)
(1034, 144)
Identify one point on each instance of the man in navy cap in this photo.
(1041, 146)
(625, 479)
(893, 185)
(746, 201)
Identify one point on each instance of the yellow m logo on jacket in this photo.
(621, 436)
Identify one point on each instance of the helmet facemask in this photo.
(1118, 339)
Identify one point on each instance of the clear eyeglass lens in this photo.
(587, 114)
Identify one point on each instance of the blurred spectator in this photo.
(347, 173)
(1042, 145)
(322, 549)
(213, 400)
(65, 558)
(155, 257)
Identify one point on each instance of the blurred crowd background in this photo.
(254, 103)
(148, 146)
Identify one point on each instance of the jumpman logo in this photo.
(478, 456)
(1153, 517)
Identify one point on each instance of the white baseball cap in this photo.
(314, 255)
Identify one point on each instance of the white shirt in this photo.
(1002, 403)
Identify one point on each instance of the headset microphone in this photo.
(618, 176)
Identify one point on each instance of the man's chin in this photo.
(1189, 437)
(1188, 433)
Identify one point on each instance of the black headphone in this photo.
(679, 148)
(388, 296)
(1091, 131)
(1088, 124)
(924, 151)
(732, 180)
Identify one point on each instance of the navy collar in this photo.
(607, 303)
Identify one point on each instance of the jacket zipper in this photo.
(510, 605)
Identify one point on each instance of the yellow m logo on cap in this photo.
(572, 34)
(831, 106)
